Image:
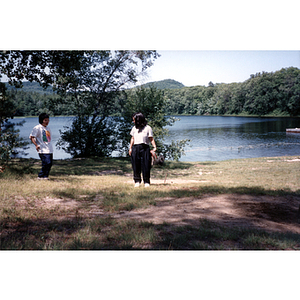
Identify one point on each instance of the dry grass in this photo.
(85, 205)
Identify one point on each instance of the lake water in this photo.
(212, 138)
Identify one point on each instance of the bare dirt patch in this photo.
(264, 212)
(47, 202)
(270, 213)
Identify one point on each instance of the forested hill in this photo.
(165, 84)
(34, 87)
(31, 87)
(275, 93)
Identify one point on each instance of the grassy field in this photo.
(91, 204)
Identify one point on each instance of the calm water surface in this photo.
(221, 138)
(212, 138)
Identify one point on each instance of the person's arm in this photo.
(131, 144)
(33, 139)
(153, 144)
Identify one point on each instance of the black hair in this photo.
(42, 117)
(140, 120)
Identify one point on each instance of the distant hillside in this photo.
(35, 87)
(165, 84)
(31, 87)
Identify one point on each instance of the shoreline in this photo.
(169, 161)
(183, 115)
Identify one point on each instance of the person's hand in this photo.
(130, 151)
(37, 147)
(153, 153)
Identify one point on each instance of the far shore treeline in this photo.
(267, 93)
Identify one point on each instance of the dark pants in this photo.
(46, 165)
(141, 162)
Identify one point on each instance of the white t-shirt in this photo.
(141, 136)
(43, 138)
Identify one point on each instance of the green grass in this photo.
(85, 194)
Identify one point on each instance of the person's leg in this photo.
(146, 163)
(46, 165)
(43, 169)
(49, 162)
(136, 163)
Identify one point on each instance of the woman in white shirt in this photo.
(141, 137)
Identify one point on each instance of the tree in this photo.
(92, 90)
(7, 107)
(87, 79)
(45, 67)
(151, 102)
(9, 136)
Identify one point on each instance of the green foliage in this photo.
(7, 107)
(44, 67)
(10, 142)
(32, 87)
(261, 94)
(175, 150)
(89, 137)
(9, 136)
(151, 102)
(164, 84)
(92, 92)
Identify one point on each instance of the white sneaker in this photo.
(137, 184)
(147, 184)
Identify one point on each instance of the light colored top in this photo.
(43, 138)
(141, 136)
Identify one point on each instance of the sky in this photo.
(192, 67)
(199, 67)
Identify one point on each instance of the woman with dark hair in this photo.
(141, 136)
(41, 138)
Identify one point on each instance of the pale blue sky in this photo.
(200, 67)
(193, 67)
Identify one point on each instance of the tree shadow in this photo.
(33, 234)
(190, 218)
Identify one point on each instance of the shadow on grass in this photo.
(85, 166)
(36, 235)
(200, 233)
(90, 166)
(109, 234)
(211, 235)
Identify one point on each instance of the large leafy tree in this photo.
(102, 76)
(87, 79)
